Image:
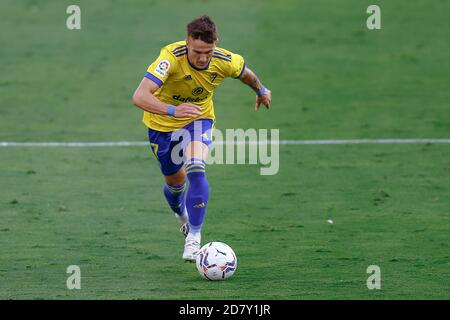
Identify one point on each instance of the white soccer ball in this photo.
(216, 261)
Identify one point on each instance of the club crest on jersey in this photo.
(213, 76)
(162, 68)
(188, 77)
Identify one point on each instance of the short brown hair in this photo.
(202, 28)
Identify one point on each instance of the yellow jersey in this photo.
(179, 81)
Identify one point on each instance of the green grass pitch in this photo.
(103, 210)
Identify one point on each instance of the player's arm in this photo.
(263, 95)
(143, 98)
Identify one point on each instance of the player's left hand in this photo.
(265, 99)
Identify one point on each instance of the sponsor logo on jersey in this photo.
(197, 91)
(162, 68)
(188, 99)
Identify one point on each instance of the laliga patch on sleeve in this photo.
(162, 68)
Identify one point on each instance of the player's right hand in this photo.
(264, 99)
(187, 110)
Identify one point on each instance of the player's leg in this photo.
(197, 195)
(198, 191)
(175, 187)
(175, 190)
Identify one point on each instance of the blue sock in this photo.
(197, 194)
(175, 197)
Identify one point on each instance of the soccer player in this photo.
(177, 93)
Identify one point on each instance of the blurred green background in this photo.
(331, 78)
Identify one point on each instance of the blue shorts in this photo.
(169, 147)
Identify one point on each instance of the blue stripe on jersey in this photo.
(148, 75)
(178, 49)
(221, 58)
(242, 71)
(181, 53)
(222, 54)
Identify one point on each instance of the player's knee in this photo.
(176, 179)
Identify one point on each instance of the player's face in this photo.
(199, 52)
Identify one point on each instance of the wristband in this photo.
(171, 110)
(261, 91)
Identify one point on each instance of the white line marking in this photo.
(144, 143)
(365, 141)
(75, 144)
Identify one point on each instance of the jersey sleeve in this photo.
(237, 66)
(161, 68)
